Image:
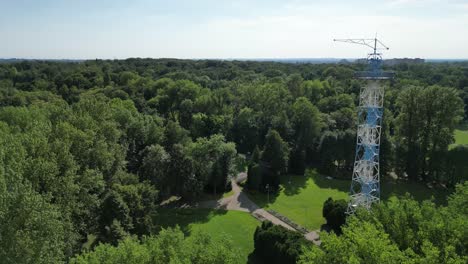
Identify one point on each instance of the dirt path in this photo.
(239, 201)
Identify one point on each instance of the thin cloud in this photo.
(410, 2)
(279, 29)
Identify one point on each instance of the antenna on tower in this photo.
(374, 44)
(365, 185)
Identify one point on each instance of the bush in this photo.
(275, 244)
(335, 213)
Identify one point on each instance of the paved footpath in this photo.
(239, 201)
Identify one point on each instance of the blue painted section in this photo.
(375, 66)
(373, 115)
(368, 152)
(370, 187)
(373, 118)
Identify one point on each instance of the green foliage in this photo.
(414, 226)
(182, 179)
(254, 171)
(246, 129)
(359, 243)
(306, 123)
(335, 159)
(139, 131)
(334, 103)
(399, 231)
(97, 145)
(276, 153)
(294, 83)
(35, 232)
(275, 244)
(456, 169)
(155, 165)
(313, 90)
(335, 213)
(297, 161)
(425, 128)
(213, 159)
(254, 177)
(256, 154)
(170, 246)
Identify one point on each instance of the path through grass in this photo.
(301, 197)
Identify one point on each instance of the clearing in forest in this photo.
(301, 198)
(239, 226)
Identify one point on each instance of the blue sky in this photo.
(86, 29)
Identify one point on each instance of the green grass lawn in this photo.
(461, 135)
(239, 226)
(302, 199)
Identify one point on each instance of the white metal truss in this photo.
(365, 186)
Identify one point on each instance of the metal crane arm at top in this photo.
(371, 43)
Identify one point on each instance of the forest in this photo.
(92, 148)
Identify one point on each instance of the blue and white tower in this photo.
(365, 186)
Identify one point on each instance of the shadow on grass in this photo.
(463, 126)
(205, 196)
(293, 184)
(418, 190)
(390, 187)
(259, 198)
(325, 183)
(183, 217)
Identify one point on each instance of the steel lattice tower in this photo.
(365, 185)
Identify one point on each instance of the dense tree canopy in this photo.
(425, 124)
(170, 246)
(91, 148)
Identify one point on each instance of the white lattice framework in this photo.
(365, 187)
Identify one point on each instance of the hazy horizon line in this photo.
(226, 58)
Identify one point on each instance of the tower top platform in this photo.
(374, 69)
(373, 75)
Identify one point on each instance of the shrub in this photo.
(275, 244)
(335, 213)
